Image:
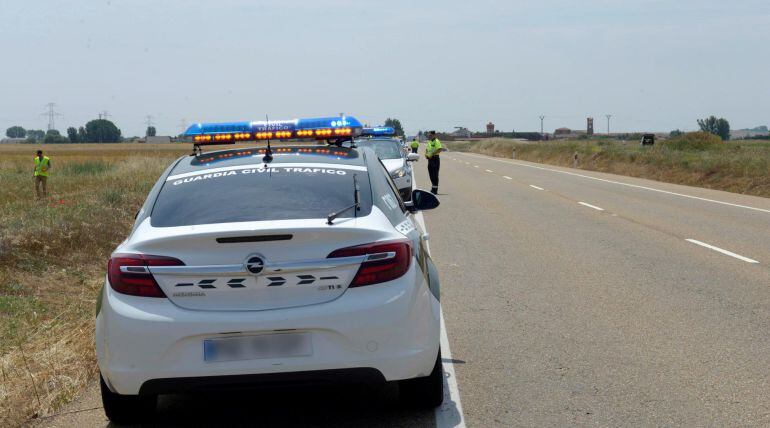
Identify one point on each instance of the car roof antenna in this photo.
(268, 152)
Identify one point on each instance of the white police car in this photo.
(263, 265)
(396, 159)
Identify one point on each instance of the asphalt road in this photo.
(570, 298)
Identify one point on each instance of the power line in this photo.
(104, 114)
(51, 113)
(182, 125)
(608, 116)
(542, 117)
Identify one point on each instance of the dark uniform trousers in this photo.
(434, 164)
(414, 149)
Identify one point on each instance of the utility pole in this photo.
(50, 112)
(542, 117)
(182, 125)
(104, 114)
(609, 116)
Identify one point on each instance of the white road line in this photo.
(536, 187)
(591, 206)
(475, 166)
(489, 170)
(652, 189)
(507, 178)
(450, 413)
(723, 251)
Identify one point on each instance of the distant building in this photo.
(157, 140)
(562, 131)
(490, 128)
(12, 140)
(738, 134)
(461, 132)
(590, 126)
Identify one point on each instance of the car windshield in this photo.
(385, 149)
(255, 193)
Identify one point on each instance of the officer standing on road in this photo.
(42, 166)
(415, 145)
(434, 161)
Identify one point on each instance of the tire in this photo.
(424, 392)
(127, 409)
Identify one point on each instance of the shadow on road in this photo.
(356, 406)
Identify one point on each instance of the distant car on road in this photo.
(259, 266)
(397, 161)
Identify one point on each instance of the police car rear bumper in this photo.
(391, 329)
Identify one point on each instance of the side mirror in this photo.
(421, 201)
(412, 157)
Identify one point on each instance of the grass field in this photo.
(694, 159)
(53, 255)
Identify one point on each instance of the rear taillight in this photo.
(385, 261)
(129, 273)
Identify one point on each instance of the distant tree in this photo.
(675, 133)
(150, 131)
(15, 132)
(53, 137)
(720, 127)
(72, 134)
(35, 134)
(102, 131)
(395, 124)
(82, 137)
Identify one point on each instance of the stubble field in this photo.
(53, 254)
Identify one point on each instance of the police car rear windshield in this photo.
(292, 188)
(385, 149)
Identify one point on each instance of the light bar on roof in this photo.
(378, 131)
(322, 128)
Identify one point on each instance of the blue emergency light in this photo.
(322, 128)
(378, 131)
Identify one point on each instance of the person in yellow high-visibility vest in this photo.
(415, 145)
(42, 168)
(432, 151)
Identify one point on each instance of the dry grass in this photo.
(53, 255)
(694, 160)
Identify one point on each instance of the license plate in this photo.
(256, 347)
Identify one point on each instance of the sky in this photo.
(654, 65)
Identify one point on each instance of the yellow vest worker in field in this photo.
(432, 151)
(415, 145)
(42, 166)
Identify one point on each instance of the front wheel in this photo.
(424, 392)
(127, 409)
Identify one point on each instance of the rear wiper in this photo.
(357, 205)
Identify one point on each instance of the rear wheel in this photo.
(424, 392)
(126, 409)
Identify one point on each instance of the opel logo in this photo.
(255, 264)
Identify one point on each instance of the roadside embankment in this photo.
(694, 159)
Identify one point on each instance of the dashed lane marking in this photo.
(591, 206)
(721, 250)
(536, 187)
(636, 186)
